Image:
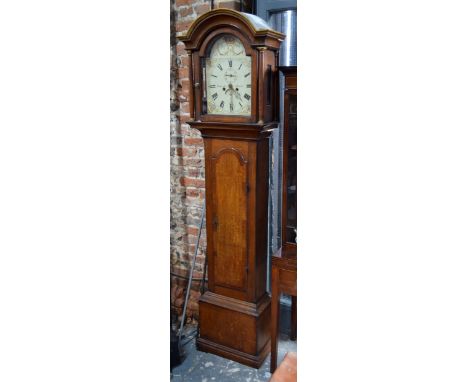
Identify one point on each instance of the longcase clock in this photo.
(234, 104)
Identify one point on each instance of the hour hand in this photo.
(235, 91)
(230, 89)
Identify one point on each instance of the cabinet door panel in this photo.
(230, 170)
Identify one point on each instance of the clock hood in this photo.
(258, 27)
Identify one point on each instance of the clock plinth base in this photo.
(235, 329)
(233, 354)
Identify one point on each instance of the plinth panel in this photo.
(235, 329)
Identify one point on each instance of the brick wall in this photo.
(187, 163)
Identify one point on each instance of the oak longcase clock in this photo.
(234, 104)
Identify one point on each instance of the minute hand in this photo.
(234, 91)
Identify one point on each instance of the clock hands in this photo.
(233, 91)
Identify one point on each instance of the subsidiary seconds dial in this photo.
(228, 78)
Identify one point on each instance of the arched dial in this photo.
(228, 78)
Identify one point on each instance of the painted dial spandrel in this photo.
(228, 78)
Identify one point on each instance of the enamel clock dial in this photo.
(228, 78)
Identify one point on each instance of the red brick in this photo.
(184, 118)
(183, 95)
(184, 61)
(200, 260)
(185, 107)
(191, 182)
(192, 193)
(183, 2)
(185, 152)
(183, 12)
(193, 162)
(179, 302)
(188, 152)
(176, 292)
(198, 274)
(180, 50)
(187, 171)
(185, 84)
(183, 73)
(192, 230)
(186, 129)
(193, 172)
(195, 294)
(202, 8)
(189, 141)
(183, 26)
(192, 306)
(192, 239)
(177, 282)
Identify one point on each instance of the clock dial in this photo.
(228, 78)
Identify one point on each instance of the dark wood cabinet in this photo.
(289, 202)
(234, 99)
(284, 261)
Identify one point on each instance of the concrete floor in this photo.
(205, 367)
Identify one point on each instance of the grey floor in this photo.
(205, 367)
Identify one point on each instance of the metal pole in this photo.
(191, 272)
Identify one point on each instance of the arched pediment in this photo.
(256, 26)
